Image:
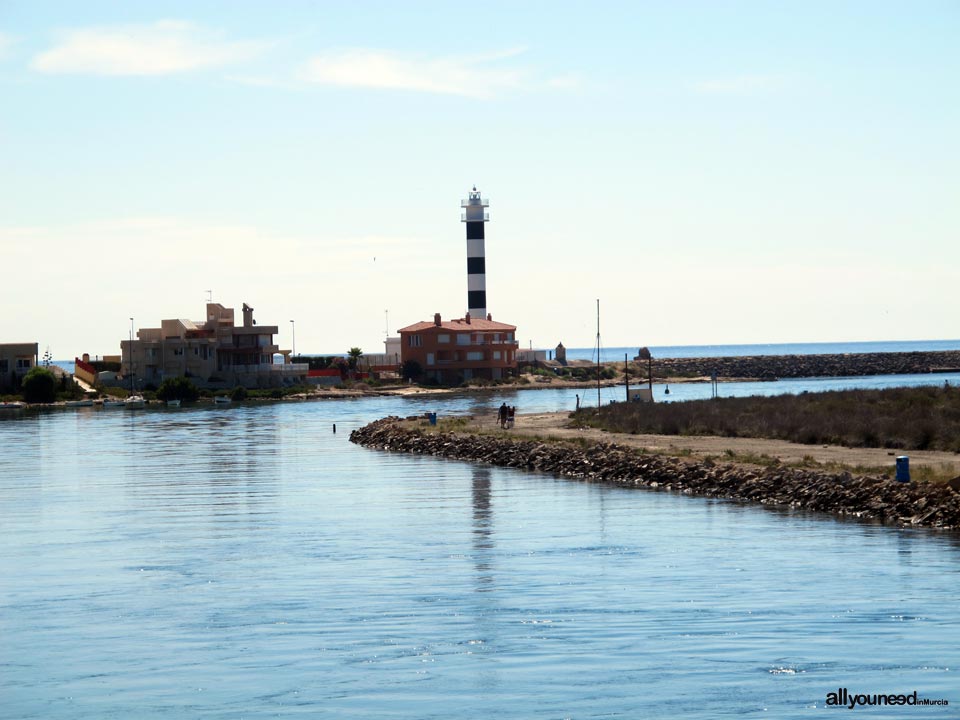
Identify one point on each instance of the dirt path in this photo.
(554, 425)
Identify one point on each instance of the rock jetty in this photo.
(841, 493)
(769, 367)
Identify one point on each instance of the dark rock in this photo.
(866, 497)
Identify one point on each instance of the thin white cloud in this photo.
(6, 42)
(161, 48)
(476, 77)
(737, 85)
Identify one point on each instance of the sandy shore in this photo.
(554, 425)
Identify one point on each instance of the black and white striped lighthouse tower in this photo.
(475, 216)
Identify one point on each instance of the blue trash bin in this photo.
(903, 468)
(432, 417)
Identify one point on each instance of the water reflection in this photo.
(482, 529)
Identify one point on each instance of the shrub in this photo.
(39, 386)
(904, 418)
(239, 393)
(178, 388)
(411, 370)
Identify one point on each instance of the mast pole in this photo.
(598, 357)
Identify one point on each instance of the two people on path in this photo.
(506, 416)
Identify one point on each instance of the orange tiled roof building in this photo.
(452, 351)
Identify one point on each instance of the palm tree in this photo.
(355, 354)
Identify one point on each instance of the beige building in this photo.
(213, 352)
(16, 359)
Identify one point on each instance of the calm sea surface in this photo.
(610, 354)
(247, 562)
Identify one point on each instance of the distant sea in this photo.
(610, 354)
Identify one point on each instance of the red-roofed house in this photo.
(452, 351)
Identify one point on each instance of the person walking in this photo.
(502, 415)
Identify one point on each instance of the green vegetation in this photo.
(178, 388)
(411, 370)
(354, 354)
(239, 393)
(926, 418)
(39, 386)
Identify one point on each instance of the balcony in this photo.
(485, 218)
(473, 203)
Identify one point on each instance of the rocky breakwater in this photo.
(866, 497)
(793, 366)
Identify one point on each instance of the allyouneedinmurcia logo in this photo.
(844, 698)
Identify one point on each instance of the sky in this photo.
(712, 173)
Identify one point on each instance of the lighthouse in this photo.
(475, 216)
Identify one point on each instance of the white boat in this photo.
(221, 399)
(134, 402)
(173, 403)
(79, 403)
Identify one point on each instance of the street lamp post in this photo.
(293, 329)
(130, 359)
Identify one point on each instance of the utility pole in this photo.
(598, 357)
(626, 376)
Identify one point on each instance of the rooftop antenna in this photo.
(386, 323)
(209, 296)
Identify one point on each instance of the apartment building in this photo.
(213, 352)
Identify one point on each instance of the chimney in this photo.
(467, 318)
(436, 319)
(247, 316)
(490, 316)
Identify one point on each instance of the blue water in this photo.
(612, 354)
(247, 561)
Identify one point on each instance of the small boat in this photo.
(134, 402)
(173, 403)
(114, 403)
(78, 403)
(221, 399)
(15, 405)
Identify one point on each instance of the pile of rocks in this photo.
(793, 366)
(876, 498)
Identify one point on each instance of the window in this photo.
(463, 338)
(509, 337)
(496, 354)
(178, 351)
(475, 355)
(4, 366)
(429, 358)
(23, 363)
(414, 341)
(443, 338)
(196, 351)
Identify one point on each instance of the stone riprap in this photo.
(840, 493)
(769, 367)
